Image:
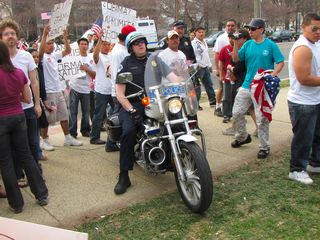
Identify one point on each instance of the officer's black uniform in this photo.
(129, 129)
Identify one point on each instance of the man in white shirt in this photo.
(200, 48)
(58, 109)
(80, 92)
(24, 61)
(222, 41)
(304, 101)
(102, 88)
(172, 55)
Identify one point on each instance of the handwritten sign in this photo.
(59, 19)
(114, 18)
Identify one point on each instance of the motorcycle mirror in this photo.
(125, 77)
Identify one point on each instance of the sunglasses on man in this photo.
(252, 29)
(315, 28)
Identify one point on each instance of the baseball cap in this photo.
(178, 23)
(172, 33)
(256, 23)
(128, 29)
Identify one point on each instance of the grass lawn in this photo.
(255, 202)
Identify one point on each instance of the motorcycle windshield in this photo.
(169, 79)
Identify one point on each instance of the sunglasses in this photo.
(253, 28)
(315, 28)
(137, 42)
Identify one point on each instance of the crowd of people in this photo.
(31, 98)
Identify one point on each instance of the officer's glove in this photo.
(135, 116)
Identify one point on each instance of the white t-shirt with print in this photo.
(118, 53)
(82, 85)
(24, 61)
(103, 83)
(51, 72)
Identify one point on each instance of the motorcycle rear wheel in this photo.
(197, 191)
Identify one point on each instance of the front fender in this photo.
(186, 138)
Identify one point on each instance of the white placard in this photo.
(59, 19)
(114, 18)
(19, 230)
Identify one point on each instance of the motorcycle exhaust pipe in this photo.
(157, 156)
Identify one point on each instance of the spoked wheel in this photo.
(197, 190)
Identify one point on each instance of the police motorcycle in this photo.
(167, 140)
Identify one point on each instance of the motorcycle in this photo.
(167, 140)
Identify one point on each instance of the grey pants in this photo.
(241, 105)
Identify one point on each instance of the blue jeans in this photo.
(101, 103)
(305, 145)
(84, 99)
(33, 139)
(14, 139)
(205, 77)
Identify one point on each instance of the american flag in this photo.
(265, 89)
(97, 26)
(46, 15)
(22, 45)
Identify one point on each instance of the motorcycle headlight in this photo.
(174, 106)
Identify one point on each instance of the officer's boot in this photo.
(123, 183)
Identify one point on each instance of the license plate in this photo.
(173, 90)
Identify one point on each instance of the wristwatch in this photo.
(132, 110)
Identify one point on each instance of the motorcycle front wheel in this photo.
(197, 190)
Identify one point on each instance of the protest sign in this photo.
(59, 19)
(114, 18)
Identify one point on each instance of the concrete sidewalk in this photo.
(81, 179)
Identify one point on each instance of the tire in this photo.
(197, 191)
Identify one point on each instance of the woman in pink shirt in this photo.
(14, 88)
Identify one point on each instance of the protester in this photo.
(221, 42)
(102, 88)
(238, 72)
(200, 48)
(304, 101)
(131, 112)
(224, 59)
(9, 34)
(42, 120)
(80, 92)
(14, 88)
(259, 52)
(58, 109)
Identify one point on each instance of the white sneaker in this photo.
(45, 145)
(302, 177)
(71, 141)
(229, 131)
(313, 169)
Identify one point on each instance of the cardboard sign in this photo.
(69, 68)
(59, 19)
(114, 18)
(19, 230)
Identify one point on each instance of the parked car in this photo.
(281, 35)
(297, 35)
(211, 40)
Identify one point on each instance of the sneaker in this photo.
(85, 134)
(43, 158)
(237, 143)
(200, 108)
(45, 145)
(16, 210)
(212, 104)
(262, 154)
(97, 141)
(43, 202)
(312, 169)
(226, 119)
(229, 131)
(71, 141)
(302, 177)
(218, 112)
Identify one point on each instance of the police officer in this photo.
(131, 112)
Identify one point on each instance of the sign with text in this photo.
(114, 18)
(59, 19)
